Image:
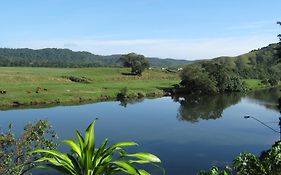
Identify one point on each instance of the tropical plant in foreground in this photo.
(86, 159)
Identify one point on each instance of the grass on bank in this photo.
(255, 84)
(33, 86)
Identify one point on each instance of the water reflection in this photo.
(152, 123)
(268, 98)
(195, 108)
(126, 102)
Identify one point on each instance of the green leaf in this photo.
(75, 147)
(121, 144)
(144, 156)
(143, 172)
(89, 144)
(98, 155)
(80, 139)
(57, 163)
(53, 153)
(127, 167)
(90, 136)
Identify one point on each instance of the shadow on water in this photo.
(205, 107)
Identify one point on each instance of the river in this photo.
(188, 134)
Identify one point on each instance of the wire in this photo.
(265, 124)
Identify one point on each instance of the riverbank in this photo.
(50, 86)
(26, 87)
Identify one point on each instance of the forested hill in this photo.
(260, 63)
(51, 57)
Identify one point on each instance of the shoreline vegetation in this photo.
(34, 87)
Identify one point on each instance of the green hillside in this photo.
(52, 57)
(257, 64)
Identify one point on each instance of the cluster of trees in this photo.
(136, 62)
(210, 78)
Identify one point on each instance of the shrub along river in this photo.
(188, 134)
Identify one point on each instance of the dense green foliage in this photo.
(87, 159)
(14, 159)
(268, 163)
(210, 78)
(136, 62)
(67, 58)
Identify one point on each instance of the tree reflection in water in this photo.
(125, 102)
(267, 97)
(196, 107)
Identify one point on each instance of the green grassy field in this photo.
(254, 84)
(21, 84)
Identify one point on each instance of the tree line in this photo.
(52, 57)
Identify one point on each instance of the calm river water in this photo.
(188, 134)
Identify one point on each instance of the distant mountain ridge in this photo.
(52, 57)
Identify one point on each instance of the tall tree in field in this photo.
(136, 62)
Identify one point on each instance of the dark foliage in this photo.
(123, 94)
(273, 81)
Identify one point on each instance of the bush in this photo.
(122, 94)
(13, 151)
(273, 82)
(77, 79)
(265, 82)
(141, 95)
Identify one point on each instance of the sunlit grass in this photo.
(21, 84)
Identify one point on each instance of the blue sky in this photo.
(182, 29)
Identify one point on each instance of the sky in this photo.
(180, 29)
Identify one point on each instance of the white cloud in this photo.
(165, 48)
